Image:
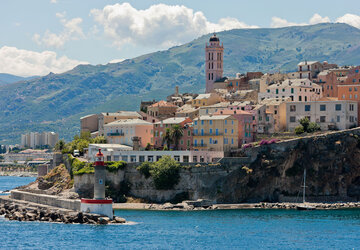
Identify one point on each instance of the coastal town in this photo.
(235, 112)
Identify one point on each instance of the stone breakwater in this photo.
(201, 205)
(18, 174)
(30, 212)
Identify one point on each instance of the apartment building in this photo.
(162, 110)
(329, 113)
(302, 90)
(185, 142)
(206, 100)
(38, 140)
(123, 131)
(216, 133)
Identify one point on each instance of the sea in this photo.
(217, 229)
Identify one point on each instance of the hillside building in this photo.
(214, 54)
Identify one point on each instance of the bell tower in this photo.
(214, 54)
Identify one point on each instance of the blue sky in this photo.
(55, 35)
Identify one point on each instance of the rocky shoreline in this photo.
(205, 205)
(18, 174)
(32, 212)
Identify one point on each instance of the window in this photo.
(225, 131)
(232, 131)
(185, 158)
(202, 132)
(351, 118)
(350, 89)
(283, 90)
(343, 96)
(182, 142)
(232, 122)
(305, 98)
(277, 91)
(210, 131)
(232, 140)
(210, 141)
(141, 158)
(202, 122)
(338, 107)
(338, 118)
(292, 108)
(356, 96)
(195, 142)
(267, 118)
(292, 119)
(195, 122)
(322, 118)
(189, 133)
(355, 88)
(351, 107)
(195, 132)
(202, 142)
(307, 107)
(350, 96)
(322, 107)
(195, 158)
(217, 131)
(226, 140)
(188, 143)
(299, 98)
(210, 122)
(268, 90)
(225, 122)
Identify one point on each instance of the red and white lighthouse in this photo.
(98, 205)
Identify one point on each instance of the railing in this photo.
(115, 134)
(200, 145)
(208, 134)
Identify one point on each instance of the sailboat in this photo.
(304, 206)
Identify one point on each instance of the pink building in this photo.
(186, 124)
(214, 54)
(246, 130)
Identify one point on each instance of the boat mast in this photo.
(304, 185)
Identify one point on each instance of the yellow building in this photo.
(206, 100)
(215, 133)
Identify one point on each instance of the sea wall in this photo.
(49, 200)
(269, 173)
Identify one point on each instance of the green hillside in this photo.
(57, 101)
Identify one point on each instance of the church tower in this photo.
(214, 54)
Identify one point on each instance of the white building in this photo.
(329, 114)
(36, 140)
(302, 90)
(115, 152)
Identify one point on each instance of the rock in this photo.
(91, 221)
(104, 220)
(119, 220)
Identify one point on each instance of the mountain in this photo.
(57, 101)
(8, 78)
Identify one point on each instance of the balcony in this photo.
(200, 145)
(208, 134)
(115, 134)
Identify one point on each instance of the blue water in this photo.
(10, 182)
(279, 229)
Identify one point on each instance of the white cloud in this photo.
(27, 63)
(316, 18)
(160, 25)
(71, 31)
(117, 60)
(350, 19)
(53, 1)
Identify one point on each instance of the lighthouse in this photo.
(98, 205)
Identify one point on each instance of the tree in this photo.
(167, 138)
(60, 145)
(305, 123)
(299, 130)
(176, 134)
(98, 140)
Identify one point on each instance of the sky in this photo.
(42, 36)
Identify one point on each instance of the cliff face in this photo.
(271, 173)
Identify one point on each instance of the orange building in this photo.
(330, 79)
(350, 89)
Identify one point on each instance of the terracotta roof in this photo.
(163, 103)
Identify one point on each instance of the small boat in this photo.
(304, 206)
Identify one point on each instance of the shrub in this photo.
(87, 169)
(114, 166)
(305, 123)
(165, 173)
(144, 168)
(313, 127)
(245, 146)
(299, 130)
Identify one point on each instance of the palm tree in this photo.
(167, 138)
(176, 134)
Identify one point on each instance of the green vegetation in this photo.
(167, 138)
(80, 143)
(56, 102)
(306, 126)
(114, 166)
(144, 168)
(165, 172)
(176, 134)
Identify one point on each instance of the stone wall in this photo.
(49, 200)
(269, 173)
